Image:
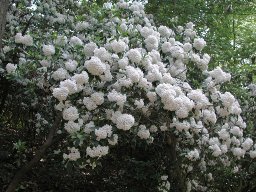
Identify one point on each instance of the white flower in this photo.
(238, 152)
(135, 74)
(216, 150)
(146, 31)
(164, 177)
(165, 31)
(102, 54)
(82, 25)
(73, 155)
(219, 75)
(199, 44)
(18, 38)
(125, 122)
(153, 129)
(152, 96)
(61, 40)
(71, 85)
(247, 144)
(253, 154)
(177, 52)
(118, 46)
(143, 133)
(95, 66)
(227, 98)
(98, 151)
(25, 40)
(75, 41)
(103, 132)
(166, 47)
(209, 116)
(187, 47)
(107, 5)
(98, 98)
(193, 155)
(60, 93)
(180, 126)
(72, 127)
(123, 62)
(117, 97)
(48, 50)
(151, 42)
(134, 55)
(11, 68)
(60, 74)
(201, 101)
(6, 49)
(139, 103)
(114, 140)
(236, 131)
(71, 65)
(70, 114)
(224, 134)
(89, 103)
(81, 78)
(89, 49)
(45, 63)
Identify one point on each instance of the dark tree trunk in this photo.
(175, 176)
(3, 11)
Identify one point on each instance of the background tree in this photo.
(229, 29)
(3, 11)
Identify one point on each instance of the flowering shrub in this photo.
(116, 75)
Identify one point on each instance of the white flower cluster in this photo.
(193, 155)
(73, 155)
(72, 127)
(119, 98)
(219, 76)
(89, 49)
(25, 40)
(70, 85)
(143, 132)
(94, 101)
(60, 93)
(11, 68)
(98, 151)
(95, 66)
(70, 114)
(119, 46)
(103, 132)
(74, 41)
(252, 88)
(123, 121)
(48, 50)
(71, 65)
(199, 43)
(60, 74)
(174, 99)
(134, 55)
(81, 78)
(165, 184)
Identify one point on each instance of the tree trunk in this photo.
(39, 154)
(3, 11)
(175, 176)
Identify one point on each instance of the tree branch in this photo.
(39, 154)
